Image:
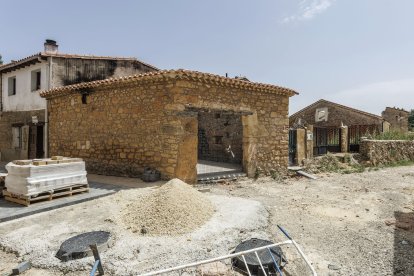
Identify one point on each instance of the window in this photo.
(12, 86)
(218, 140)
(36, 76)
(17, 134)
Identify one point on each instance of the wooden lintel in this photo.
(216, 110)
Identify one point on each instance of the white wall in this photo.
(25, 99)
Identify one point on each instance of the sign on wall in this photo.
(321, 114)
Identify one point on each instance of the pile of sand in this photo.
(174, 208)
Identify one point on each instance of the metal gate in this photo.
(356, 132)
(292, 146)
(326, 140)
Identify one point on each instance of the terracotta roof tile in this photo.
(157, 76)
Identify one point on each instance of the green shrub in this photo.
(392, 135)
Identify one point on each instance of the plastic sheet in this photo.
(31, 180)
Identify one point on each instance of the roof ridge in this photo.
(306, 107)
(172, 73)
(64, 55)
(340, 105)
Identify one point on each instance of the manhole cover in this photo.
(77, 247)
(264, 255)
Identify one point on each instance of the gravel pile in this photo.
(174, 208)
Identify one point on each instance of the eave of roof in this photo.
(42, 56)
(164, 75)
(339, 105)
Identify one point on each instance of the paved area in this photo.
(10, 210)
(99, 186)
(207, 170)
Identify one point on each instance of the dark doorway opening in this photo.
(220, 143)
(36, 147)
(292, 146)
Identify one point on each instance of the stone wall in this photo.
(125, 127)
(303, 144)
(381, 152)
(7, 121)
(216, 133)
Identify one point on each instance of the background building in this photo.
(397, 117)
(331, 121)
(23, 121)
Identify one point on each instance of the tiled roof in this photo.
(42, 55)
(338, 105)
(164, 75)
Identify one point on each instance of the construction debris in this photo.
(22, 267)
(308, 175)
(37, 176)
(174, 208)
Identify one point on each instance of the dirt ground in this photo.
(351, 224)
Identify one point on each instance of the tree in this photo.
(1, 60)
(411, 120)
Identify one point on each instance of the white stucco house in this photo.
(23, 123)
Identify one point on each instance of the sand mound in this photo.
(174, 208)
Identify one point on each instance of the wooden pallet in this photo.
(46, 196)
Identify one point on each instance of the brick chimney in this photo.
(50, 46)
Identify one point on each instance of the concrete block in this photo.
(57, 157)
(22, 267)
(22, 162)
(39, 162)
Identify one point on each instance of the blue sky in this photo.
(355, 52)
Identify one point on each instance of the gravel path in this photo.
(340, 220)
(37, 238)
(355, 224)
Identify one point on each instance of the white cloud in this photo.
(308, 9)
(375, 97)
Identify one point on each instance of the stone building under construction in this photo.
(168, 120)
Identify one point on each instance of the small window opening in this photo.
(218, 140)
(36, 80)
(12, 86)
